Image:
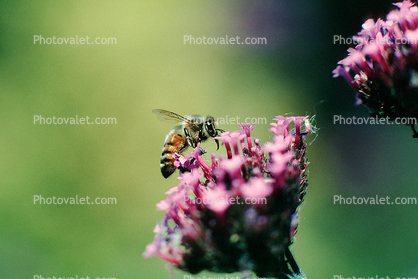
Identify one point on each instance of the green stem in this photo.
(291, 269)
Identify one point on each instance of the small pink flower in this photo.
(256, 188)
(217, 200)
(164, 205)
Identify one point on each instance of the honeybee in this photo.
(192, 130)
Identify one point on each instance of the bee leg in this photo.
(188, 138)
(200, 135)
(183, 170)
(184, 146)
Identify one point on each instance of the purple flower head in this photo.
(383, 67)
(238, 213)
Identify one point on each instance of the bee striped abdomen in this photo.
(173, 142)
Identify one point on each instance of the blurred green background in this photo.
(150, 67)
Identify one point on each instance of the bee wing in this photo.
(170, 117)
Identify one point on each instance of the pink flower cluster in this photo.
(383, 67)
(209, 224)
